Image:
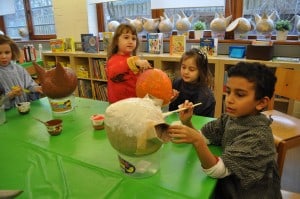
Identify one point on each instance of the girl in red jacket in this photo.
(123, 66)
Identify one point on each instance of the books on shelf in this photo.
(69, 44)
(209, 46)
(177, 44)
(101, 91)
(90, 43)
(155, 43)
(57, 45)
(82, 71)
(85, 88)
(98, 69)
(107, 38)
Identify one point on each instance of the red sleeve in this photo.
(117, 65)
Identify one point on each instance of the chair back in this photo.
(287, 85)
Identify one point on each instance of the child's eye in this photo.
(240, 94)
(227, 91)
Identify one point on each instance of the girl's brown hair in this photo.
(122, 29)
(15, 51)
(205, 77)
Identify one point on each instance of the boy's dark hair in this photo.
(263, 78)
(15, 51)
(205, 77)
(122, 28)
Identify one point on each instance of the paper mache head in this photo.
(156, 84)
(183, 22)
(265, 23)
(219, 23)
(57, 82)
(135, 126)
(166, 24)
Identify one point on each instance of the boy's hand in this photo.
(183, 134)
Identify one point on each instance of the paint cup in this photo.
(97, 121)
(23, 107)
(54, 126)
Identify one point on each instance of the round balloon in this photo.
(155, 83)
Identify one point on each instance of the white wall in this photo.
(71, 18)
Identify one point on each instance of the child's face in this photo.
(126, 43)
(189, 71)
(5, 54)
(240, 97)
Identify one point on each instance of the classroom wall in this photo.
(71, 18)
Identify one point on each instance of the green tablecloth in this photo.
(80, 163)
(28, 64)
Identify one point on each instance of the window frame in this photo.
(232, 7)
(29, 22)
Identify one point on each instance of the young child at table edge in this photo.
(123, 66)
(247, 168)
(13, 77)
(193, 84)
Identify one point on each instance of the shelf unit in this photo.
(170, 63)
(89, 68)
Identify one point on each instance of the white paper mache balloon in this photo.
(135, 126)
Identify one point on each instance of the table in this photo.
(80, 162)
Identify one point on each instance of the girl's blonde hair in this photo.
(122, 29)
(15, 51)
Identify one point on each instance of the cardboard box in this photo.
(260, 52)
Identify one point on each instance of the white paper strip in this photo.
(161, 4)
(98, 1)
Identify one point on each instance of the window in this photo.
(285, 9)
(33, 20)
(117, 10)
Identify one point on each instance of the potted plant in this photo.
(199, 28)
(282, 27)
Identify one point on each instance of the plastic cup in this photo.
(62, 105)
(23, 107)
(54, 127)
(97, 121)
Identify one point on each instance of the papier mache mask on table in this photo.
(136, 126)
(57, 82)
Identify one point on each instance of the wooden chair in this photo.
(285, 128)
(290, 195)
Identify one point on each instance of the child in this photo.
(247, 167)
(193, 85)
(15, 80)
(123, 66)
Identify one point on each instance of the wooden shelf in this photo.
(167, 62)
